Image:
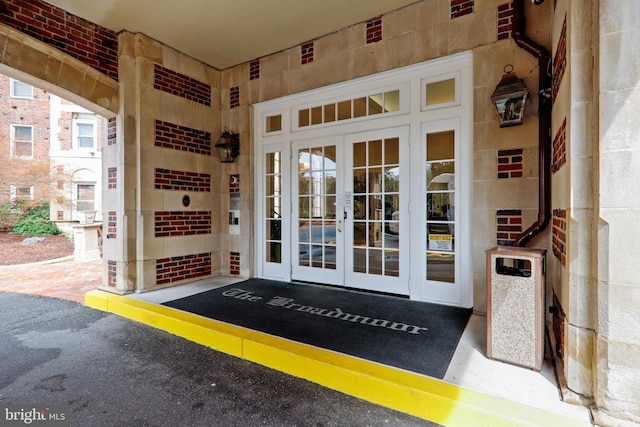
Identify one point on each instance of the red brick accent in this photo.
(559, 61)
(559, 232)
(505, 20)
(234, 263)
(254, 69)
(374, 30)
(234, 97)
(112, 222)
(558, 327)
(178, 84)
(306, 53)
(509, 226)
(167, 179)
(559, 157)
(112, 268)
(112, 177)
(83, 40)
(510, 163)
(60, 215)
(169, 135)
(182, 223)
(461, 7)
(177, 268)
(111, 131)
(234, 183)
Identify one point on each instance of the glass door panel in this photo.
(440, 192)
(273, 240)
(317, 226)
(375, 248)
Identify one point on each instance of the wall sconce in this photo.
(509, 98)
(228, 146)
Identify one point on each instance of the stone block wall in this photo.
(419, 32)
(168, 221)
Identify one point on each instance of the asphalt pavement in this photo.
(111, 371)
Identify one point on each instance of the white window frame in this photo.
(75, 196)
(76, 130)
(13, 142)
(411, 81)
(12, 86)
(13, 192)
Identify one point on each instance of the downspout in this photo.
(544, 125)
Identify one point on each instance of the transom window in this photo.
(362, 106)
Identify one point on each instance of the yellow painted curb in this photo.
(414, 394)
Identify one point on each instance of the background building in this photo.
(51, 151)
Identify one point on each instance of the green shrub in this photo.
(35, 222)
(8, 216)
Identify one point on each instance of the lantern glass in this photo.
(509, 99)
(228, 147)
(510, 108)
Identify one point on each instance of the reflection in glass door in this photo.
(440, 168)
(318, 229)
(375, 240)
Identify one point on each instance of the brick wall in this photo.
(374, 30)
(23, 112)
(234, 97)
(505, 20)
(254, 69)
(92, 44)
(306, 53)
(559, 156)
(167, 179)
(182, 223)
(509, 226)
(111, 273)
(174, 269)
(234, 263)
(510, 163)
(559, 61)
(461, 8)
(178, 84)
(112, 136)
(558, 327)
(112, 225)
(559, 232)
(169, 135)
(112, 177)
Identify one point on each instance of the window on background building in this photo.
(84, 131)
(21, 141)
(21, 90)
(85, 197)
(21, 192)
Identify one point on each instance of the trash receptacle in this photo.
(515, 305)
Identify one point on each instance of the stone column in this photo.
(618, 293)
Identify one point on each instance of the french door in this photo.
(349, 198)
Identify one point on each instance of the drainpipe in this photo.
(544, 124)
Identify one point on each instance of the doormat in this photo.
(416, 336)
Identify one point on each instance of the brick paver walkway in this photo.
(68, 280)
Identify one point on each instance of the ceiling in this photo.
(224, 33)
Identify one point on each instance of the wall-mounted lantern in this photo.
(509, 98)
(228, 146)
